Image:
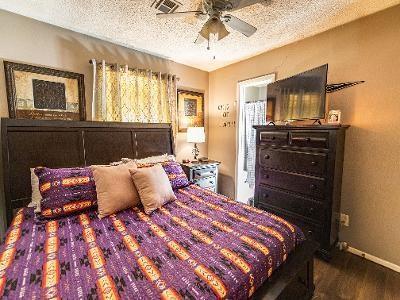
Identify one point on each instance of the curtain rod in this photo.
(114, 64)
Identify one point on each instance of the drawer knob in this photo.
(310, 232)
(265, 195)
(266, 156)
(311, 210)
(302, 281)
(314, 163)
(313, 186)
(266, 176)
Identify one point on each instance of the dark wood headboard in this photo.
(55, 144)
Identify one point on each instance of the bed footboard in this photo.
(294, 279)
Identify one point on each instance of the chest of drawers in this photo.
(299, 175)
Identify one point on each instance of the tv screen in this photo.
(299, 97)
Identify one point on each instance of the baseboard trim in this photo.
(374, 259)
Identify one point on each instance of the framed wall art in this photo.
(35, 92)
(190, 110)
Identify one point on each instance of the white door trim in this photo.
(261, 80)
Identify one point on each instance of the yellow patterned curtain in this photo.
(123, 94)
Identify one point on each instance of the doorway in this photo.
(251, 90)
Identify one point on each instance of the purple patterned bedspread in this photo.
(202, 246)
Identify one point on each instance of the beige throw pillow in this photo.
(115, 189)
(153, 187)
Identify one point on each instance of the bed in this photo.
(202, 246)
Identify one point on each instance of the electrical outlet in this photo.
(344, 220)
(343, 246)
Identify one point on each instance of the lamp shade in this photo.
(195, 135)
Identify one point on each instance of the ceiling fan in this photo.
(216, 10)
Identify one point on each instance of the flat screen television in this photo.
(300, 97)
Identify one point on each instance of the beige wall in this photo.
(367, 49)
(26, 40)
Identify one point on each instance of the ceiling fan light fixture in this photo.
(214, 26)
(214, 29)
(205, 31)
(222, 31)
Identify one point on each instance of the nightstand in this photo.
(204, 174)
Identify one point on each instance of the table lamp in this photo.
(195, 135)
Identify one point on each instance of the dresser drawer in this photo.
(274, 138)
(310, 139)
(206, 182)
(311, 231)
(302, 162)
(292, 203)
(306, 185)
(204, 172)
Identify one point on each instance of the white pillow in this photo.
(36, 196)
(151, 159)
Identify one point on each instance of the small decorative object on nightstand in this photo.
(204, 174)
(195, 135)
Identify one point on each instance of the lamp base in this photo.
(195, 152)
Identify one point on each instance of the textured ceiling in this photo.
(133, 23)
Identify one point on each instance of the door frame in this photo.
(241, 85)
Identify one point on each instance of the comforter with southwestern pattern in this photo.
(202, 246)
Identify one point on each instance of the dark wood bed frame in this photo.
(55, 144)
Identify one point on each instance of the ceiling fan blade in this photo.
(239, 25)
(239, 4)
(199, 40)
(202, 7)
(180, 14)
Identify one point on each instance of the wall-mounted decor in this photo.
(190, 110)
(35, 92)
(226, 116)
(334, 87)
